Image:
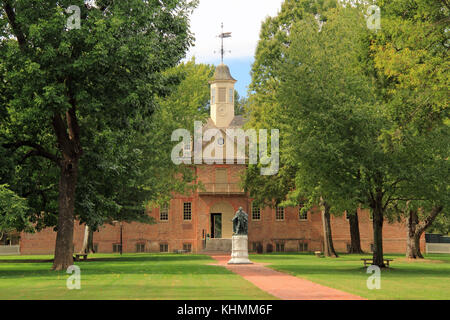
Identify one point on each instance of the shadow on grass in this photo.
(143, 258)
(150, 258)
(126, 265)
(26, 261)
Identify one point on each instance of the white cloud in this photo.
(241, 17)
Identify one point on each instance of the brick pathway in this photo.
(282, 285)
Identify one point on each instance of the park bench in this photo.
(78, 255)
(181, 251)
(369, 261)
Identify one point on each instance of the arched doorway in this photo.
(221, 225)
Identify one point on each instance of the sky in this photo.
(241, 17)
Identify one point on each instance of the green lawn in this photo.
(133, 276)
(409, 280)
(169, 276)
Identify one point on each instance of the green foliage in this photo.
(104, 82)
(412, 54)
(340, 98)
(13, 211)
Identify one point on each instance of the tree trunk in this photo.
(88, 241)
(417, 246)
(68, 136)
(411, 249)
(378, 258)
(327, 235)
(416, 229)
(66, 201)
(355, 246)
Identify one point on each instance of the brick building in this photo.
(202, 222)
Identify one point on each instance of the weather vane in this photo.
(222, 36)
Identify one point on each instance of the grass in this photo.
(191, 277)
(405, 280)
(132, 276)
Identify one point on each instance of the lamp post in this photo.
(121, 235)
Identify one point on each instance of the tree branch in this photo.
(421, 227)
(62, 136)
(12, 21)
(38, 150)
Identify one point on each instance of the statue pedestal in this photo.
(239, 253)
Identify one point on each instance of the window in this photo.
(213, 96)
(187, 247)
(163, 247)
(257, 247)
(279, 213)
(164, 212)
(231, 93)
(302, 216)
(256, 213)
(116, 247)
(279, 247)
(222, 95)
(140, 247)
(187, 211)
(221, 176)
(303, 247)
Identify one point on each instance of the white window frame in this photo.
(164, 209)
(277, 212)
(185, 212)
(258, 213)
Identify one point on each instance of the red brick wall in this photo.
(268, 230)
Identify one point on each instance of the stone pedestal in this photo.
(239, 253)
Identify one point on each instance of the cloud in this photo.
(241, 17)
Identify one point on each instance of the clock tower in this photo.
(222, 97)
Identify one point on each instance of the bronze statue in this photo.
(240, 222)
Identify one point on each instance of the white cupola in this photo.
(222, 97)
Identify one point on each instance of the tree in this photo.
(264, 111)
(13, 211)
(411, 54)
(60, 84)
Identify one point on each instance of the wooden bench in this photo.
(78, 255)
(181, 251)
(369, 261)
